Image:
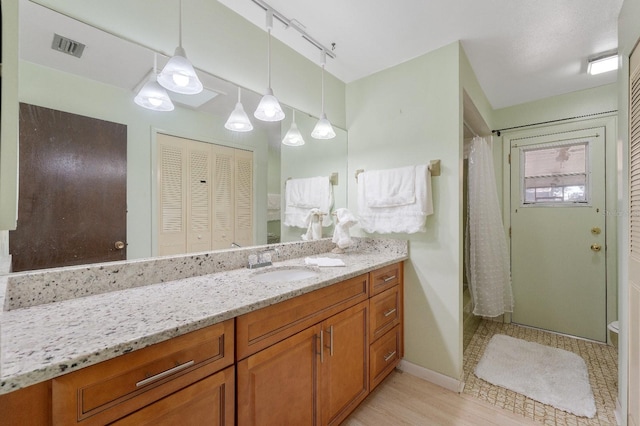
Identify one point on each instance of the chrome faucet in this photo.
(262, 258)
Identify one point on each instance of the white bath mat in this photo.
(549, 375)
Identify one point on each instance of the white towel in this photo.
(408, 218)
(273, 207)
(324, 261)
(314, 226)
(391, 188)
(344, 220)
(302, 195)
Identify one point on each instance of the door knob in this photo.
(119, 245)
(596, 247)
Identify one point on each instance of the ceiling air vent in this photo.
(66, 45)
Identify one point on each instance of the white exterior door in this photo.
(558, 234)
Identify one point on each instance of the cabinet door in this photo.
(207, 402)
(277, 386)
(344, 374)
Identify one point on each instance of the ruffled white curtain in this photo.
(487, 257)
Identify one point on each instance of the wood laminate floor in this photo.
(403, 399)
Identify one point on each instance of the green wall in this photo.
(411, 114)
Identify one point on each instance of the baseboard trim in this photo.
(431, 376)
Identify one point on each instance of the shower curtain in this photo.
(486, 251)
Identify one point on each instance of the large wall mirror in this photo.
(101, 84)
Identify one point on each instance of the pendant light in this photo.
(269, 108)
(152, 95)
(238, 120)
(178, 74)
(293, 136)
(323, 129)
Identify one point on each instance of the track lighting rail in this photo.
(291, 24)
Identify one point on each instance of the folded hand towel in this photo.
(314, 226)
(409, 218)
(302, 195)
(324, 261)
(273, 207)
(344, 220)
(391, 187)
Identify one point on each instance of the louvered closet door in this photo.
(244, 197)
(223, 195)
(172, 166)
(634, 242)
(199, 198)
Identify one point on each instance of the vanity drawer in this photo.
(106, 391)
(385, 312)
(385, 278)
(384, 355)
(262, 328)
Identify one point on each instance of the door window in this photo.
(555, 174)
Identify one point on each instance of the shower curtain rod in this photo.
(497, 132)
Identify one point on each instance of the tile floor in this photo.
(601, 360)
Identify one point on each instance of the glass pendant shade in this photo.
(269, 108)
(238, 120)
(323, 129)
(153, 96)
(293, 136)
(179, 76)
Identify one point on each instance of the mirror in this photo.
(101, 85)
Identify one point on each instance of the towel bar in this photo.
(333, 178)
(434, 169)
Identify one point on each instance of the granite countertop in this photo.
(42, 342)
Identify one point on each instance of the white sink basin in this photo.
(285, 274)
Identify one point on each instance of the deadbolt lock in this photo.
(596, 247)
(595, 230)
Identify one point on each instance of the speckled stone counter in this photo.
(44, 340)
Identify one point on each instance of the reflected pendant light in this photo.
(323, 128)
(293, 136)
(152, 95)
(269, 108)
(238, 120)
(178, 74)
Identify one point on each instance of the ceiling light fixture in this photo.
(238, 120)
(293, 136)
(269, 108)
(323, 129)
(178, 74)
(153, 96)
(602, 64)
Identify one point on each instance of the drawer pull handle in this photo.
(164, 374)
(386, 280)
(389, 312)
(388, 356)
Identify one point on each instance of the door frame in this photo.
(609, 122)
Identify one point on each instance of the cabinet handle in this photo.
(164, 374)
(331, 341)
(389, 312)
(388, 356)
(321, 346)
(386, 280)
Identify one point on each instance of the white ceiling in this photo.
(520, 51)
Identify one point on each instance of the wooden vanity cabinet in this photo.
(190, 377)
(316, 376)
(386, 322)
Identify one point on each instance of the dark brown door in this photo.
(72, 197)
